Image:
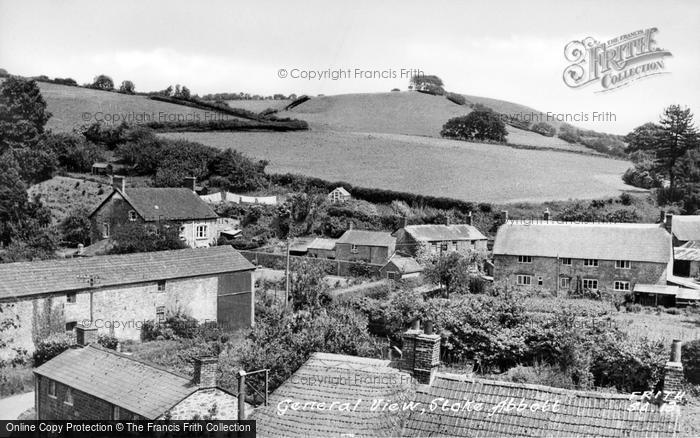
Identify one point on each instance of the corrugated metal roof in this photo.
(661, 289)
(141, 388)
(438, 232)
(367, 238)
(635, 242)
(686, 227)
(48, 276)
(689, 251)
(578, 413)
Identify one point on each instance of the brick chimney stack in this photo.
(546, 215)
(205, 371)
(191, 183)
(470, 219)
(119, 183)
(673, 372)
(504, 216)
(420, 354)
(668, 222)
(85, 335)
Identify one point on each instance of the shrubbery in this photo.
(51, 347)
(544, 128)
(477, 125)
(108, 341)
(456, 98)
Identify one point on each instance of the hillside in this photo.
(409, 113)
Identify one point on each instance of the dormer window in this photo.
(132, 216)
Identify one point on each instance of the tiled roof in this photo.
(140, 388)
(322, 244)
(579, 413)
(686, 227)
(166, 203)
(431, 233)
(406, 265)
(33, 278)
(689, 251)
(367, 238)
(328, 378)
(636, 242)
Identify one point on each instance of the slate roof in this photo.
(689, 251)
(636, 242)
(328, 378)
(406, 265)
(367, 238)
(432, 233)
(49, 276)
(579, 413)
(322, 244)
(138, 387)
(686, 227)
(164, 203)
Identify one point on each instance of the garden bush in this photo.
(108, 341)
(51, 347)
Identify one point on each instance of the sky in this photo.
(500, 49)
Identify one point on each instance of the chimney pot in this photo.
(504, 216)
(546, 215)
(85, 335)
(470, 219)
(662, 216)
(191, 183)
(668, 222)
(415, 325)
(428, 330)
(119, 183)
(205, 370)
(676, 350)
(673, 372)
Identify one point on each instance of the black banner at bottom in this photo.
(122, 428)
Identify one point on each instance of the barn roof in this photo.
(686, 227)
(138, 387)
(406, 265)
(635, 242)
(431, 233)
(50, 276)
(327, 378)
(322, 244)
(578, 413)
(164, 203)
(689, 251)
(367, 238)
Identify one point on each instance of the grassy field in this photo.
(73, 107)
(430, 166)
(64, 194)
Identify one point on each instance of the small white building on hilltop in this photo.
(339, 195)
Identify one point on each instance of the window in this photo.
(524, 259)
(539, 281)
(392, 275)
(132, 216)
(161, 286)
(71, 325)
(353, 249)
(622, 285)
(160, 313)
(590, 284)
(433, 247)
(70, 298)
(590, 262)
(115, 412)
(52, 389)
(564, 282)
(622, 264)
(566, 261)
(201, 231)
(524, 280)
(454, 245)
(105, 230)
(69, 397)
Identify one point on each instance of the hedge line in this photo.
(228, 125)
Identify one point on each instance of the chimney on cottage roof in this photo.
(668, 221)
(673, 372)
(85, 335)
(470, 219)
(504, 216)
(119, 183)
(546, 215)
(420, 354)
(191, 183)
(205, 371)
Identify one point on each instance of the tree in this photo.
(127, 87)
(427, 83)
(23, 114)
(477, 125)
(452, 269)
(644, 138)
(678, 136)
(307, 286)
(103, 82)
(75, 228)
(544, 128)
(137, 237)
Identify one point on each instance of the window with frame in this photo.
(524, 280)
(621, 285)
(539, 281)
(160, 313)
(622, 264)
(590, 284)
(392, 275)
(115, 413)
(132, 216)
(69, 397)
(564, 282)
(353, 248)
(105, 230)
(201, 231)
(51, 390)
(590, 262)
(70, 298)
(454, 245)
(566, 261)
(161, 286)
(524, 259)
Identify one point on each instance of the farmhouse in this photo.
(399, 267)
(367, 246)
(352, 396)
(457, 237)
(117, 293)
(339, 195)
(197, 221)
(572, 257)
(89, 382)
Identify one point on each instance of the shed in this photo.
(400, 267)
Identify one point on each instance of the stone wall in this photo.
(368, 254)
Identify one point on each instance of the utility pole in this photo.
(286, 275)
